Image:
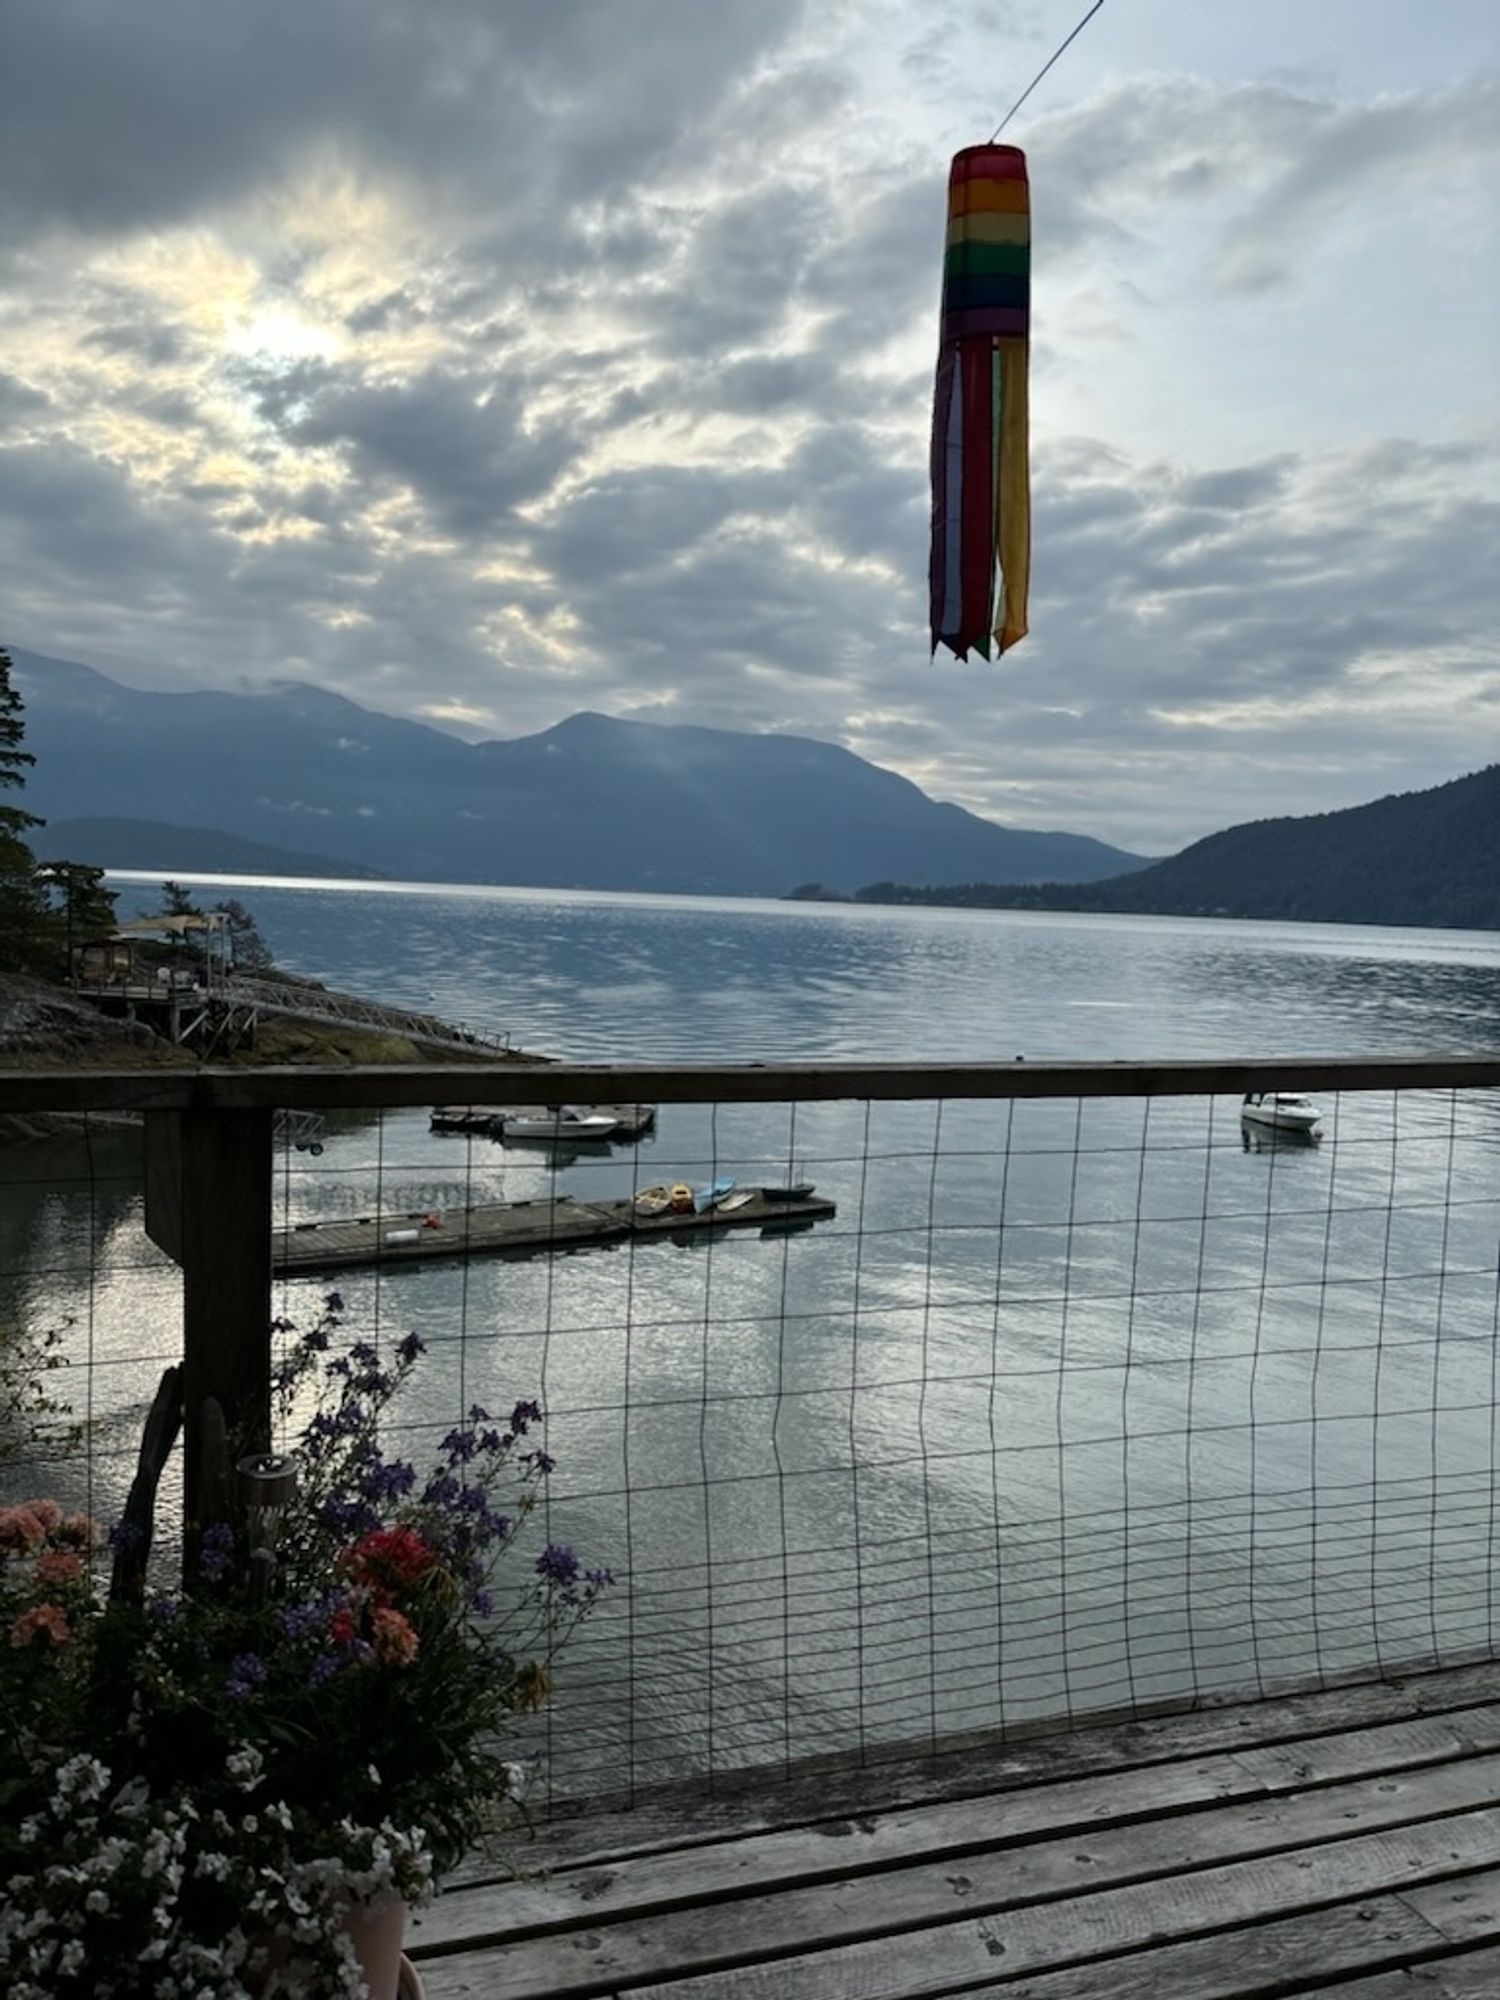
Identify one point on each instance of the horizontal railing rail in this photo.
(374, 1086)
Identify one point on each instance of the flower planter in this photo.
(409, 1986)
(376, 1930)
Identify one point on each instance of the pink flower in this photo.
(395, 1641)
(341, 1627)
(50, 1619)
(22, 1527)
(58, 1566)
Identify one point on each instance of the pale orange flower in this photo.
(49, 1619)
(394, 1639)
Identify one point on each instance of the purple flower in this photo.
(408, 1349)
(333, 1303)
(379, 1481)
(216, 1550)
(162, 1609)
(482, 1603)
(441, 1490)
(348, 1517)
(460, 1446)
(542, 1460)
(529, 1412)
(557, 1564)
(125, 1537)
(322, 1670)
(247, 1671)
(300, 1621)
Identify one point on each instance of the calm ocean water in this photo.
(599, 977)
(1030, 1426)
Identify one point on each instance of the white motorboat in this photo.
(568, 1123)
(1281, 1111)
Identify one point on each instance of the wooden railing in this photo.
(209, 1146)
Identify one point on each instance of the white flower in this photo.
(246, 1766)
(96, 1902)
(80, 1781)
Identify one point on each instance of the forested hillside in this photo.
(1418, 858)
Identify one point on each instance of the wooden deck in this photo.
(1337, 1844)
(518, 1229)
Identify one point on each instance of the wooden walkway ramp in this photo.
(1339, 1844)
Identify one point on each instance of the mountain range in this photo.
(593, 802)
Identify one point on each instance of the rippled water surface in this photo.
(1071, 1404)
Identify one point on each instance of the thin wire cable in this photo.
(1060, 50)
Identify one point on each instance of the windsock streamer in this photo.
(981, 489)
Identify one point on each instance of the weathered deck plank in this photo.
(835, 1849)
(1346, 1837)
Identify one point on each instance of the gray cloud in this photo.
(463, 447)
(126, 113)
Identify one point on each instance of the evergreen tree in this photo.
(176, 902)
(79, 905)
(248, 948)
(23, 913)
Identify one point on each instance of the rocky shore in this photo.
(43, 1026)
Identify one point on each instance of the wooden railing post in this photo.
(208, 1205)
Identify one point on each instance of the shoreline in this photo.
(46, 1026)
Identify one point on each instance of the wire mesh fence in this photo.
(1098, 1397)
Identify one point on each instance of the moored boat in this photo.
(1281, 1111)
(569, 1123)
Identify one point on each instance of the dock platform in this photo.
(1335, 1846)
(519, 1229)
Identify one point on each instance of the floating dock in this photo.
(632, 1121)
(520, 1229)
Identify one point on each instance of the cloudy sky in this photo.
(486, 360)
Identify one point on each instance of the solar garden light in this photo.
(265, 1482)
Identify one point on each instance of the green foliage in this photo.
(78, 906)
(24, 928)
(33, 1416)
(176, 902)
(248, 948)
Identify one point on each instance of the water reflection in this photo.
(1029, 1379)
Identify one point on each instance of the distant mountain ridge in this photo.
(150, 843)
(590, 803)
(1428, 858)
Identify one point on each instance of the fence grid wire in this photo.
(1081, 1402)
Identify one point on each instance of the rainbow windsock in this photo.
(981, 489)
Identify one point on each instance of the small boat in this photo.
(736, 1198)
(653, 1200)
(568, 1123)
(1281, 1110)
(798, 1191)
(463, 1118)
(710, 1195)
